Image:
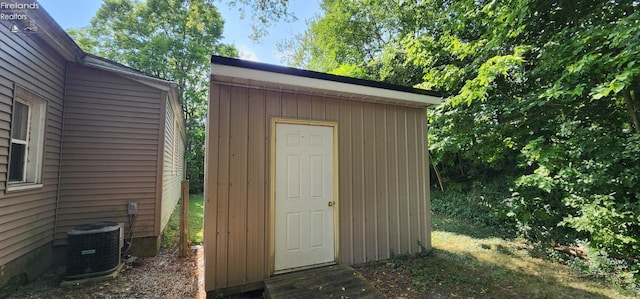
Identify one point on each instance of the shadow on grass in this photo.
(505, 250)
(472, 260)
(475, 230)
(445, 274)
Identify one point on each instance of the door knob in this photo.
(331, 203)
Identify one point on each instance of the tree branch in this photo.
(435, 168)
(631, 109)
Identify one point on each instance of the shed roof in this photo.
(238, 71)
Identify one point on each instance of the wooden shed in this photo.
(305, 169)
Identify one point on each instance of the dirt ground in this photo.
(169, 276)
(389, 279)
(163, 276)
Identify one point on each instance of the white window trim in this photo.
(14, 187)
(25, 142)
(35, 141)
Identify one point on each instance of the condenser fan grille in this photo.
(93, 249)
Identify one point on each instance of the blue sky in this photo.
(78, 13)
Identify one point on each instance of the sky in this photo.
(78, 13)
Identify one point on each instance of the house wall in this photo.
(173, 158)
(383, 178)
(27, 217)
(110, 151)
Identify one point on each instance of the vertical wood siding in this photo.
(173, 159)
(384, 200)
(27, 217)
(110, 151)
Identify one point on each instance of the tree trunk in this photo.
(460, 166)
(628, 99)
(435, 168)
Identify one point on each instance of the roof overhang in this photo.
(46, 28)
(240, 72)
(50, 32)
(95, 62)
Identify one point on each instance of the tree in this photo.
(264, 13)
(170, 39)
(358, 38)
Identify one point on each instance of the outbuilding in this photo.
(305, 169)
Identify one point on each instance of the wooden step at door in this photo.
(338, 281)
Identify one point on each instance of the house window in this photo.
(19, 138)
(27, 140)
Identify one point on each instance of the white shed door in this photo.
(304, 200)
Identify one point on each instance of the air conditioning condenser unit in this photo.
(93, 249)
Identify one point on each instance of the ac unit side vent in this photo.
(93, 249)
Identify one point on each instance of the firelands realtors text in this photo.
(11, 14)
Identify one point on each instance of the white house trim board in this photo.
(342, 87)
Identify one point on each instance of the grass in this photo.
(171, 233)
(196, 218)
(472, 261)
(468, 260)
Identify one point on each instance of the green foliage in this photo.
(171, 233)
(477, 204)
(264, 14)
(168, 39)
(349, 70)
(196, 218)
(620, 273)
(468, 260)
(478, 88)
(195, 157)
(361, 34)
(595, 184)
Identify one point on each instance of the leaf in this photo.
(617, 86)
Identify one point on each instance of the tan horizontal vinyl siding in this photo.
(383, 196)
(110, 149)
(27, 217)
(173, 158)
